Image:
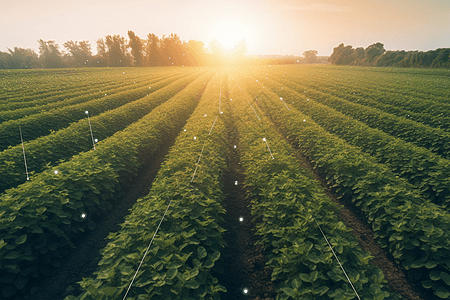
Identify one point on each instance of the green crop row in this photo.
(427, 171)
(353, 90)
(36, 85)
(71, 98)
(187, 247)
(40, 218)
(44, 123)
(286, 203)
(420, 110)
(372, 91)
(374, 94)
(76, 138)
(418, 84)
(434, 139)
(415, 231)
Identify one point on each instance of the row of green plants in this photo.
(401, 95)
(68, 98)
(419, 84)
(375, 94)
(420, 110)
(415, 231)
(40, 218)
(429, 172)
(286, 203)
(76, 138)
(43, 123)
(437, 140)
(185, 254)
(35, 85)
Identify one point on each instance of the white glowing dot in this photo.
(307, 99)
(221, 112)
(135, 82)
(264, 139)
(105, 94)
(28, 178)
(304, 120)
(83, 215)
(123, 72)
(245, 291)
(241, 219)
(205, 115)
(149, 87)
(234, 146)
(256, 79)
(292, 101)
(56, 172)
(185, 130)
(195, 138)
(231, 99)
(96, 140)
(235, 183)
(281, 98)
(86, 112)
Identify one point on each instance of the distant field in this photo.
(265, 170)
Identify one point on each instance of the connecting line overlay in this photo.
(148, 248)
(167, 209)
(90, 128)
(23, 150)
(195, 171)
(345, 273)
(264, 139)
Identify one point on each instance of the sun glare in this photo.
(229, 33)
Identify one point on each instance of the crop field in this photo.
(256, 182)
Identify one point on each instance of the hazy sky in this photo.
(267, 26)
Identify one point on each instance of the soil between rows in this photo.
(83, 260)
(244, 261)
(349, 215)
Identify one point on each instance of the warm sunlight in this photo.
(229, 33)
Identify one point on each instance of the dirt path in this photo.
(82, 261)
(244, 262)
(395, 276)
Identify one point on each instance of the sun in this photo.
(229, 33)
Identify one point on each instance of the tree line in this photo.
(117, 51)
(376, 55)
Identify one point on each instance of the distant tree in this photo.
(373, 51)
(49, 54)
(357, 56)
(137, 48)
(216, 53)
(4, 58)
(79, 53)
(20, 58)
(152, 46)
(341, 55)
(116, 48)
(101, 59)
(195, 53)
(172, 50)
(310, 56)
(442, 59)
